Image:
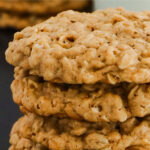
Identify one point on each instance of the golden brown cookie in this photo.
(111, 45)
(19, 143)
(25, 144)
(95, 102)
(100, 102)
(66, 134)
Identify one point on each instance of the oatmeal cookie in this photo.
(95, 102)
(111, 46)
(99, 102)
(19, 143)
(66, 134)
(42, 6)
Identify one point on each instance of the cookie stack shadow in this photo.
(82, 82)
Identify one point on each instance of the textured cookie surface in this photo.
(41, 6)
(26, 144)
(19, 143)
(98, 102)
(111, 45)
(95, 103)
(67, 134)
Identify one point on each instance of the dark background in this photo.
(9, 112)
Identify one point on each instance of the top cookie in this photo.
(111, 46)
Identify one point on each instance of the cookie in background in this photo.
(22, 13)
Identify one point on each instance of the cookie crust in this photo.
(66, 134)
(109, 46)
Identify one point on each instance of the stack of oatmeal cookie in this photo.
(22, 13)
(82, 81)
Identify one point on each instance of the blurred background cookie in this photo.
(42, 6)
(21, 13)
